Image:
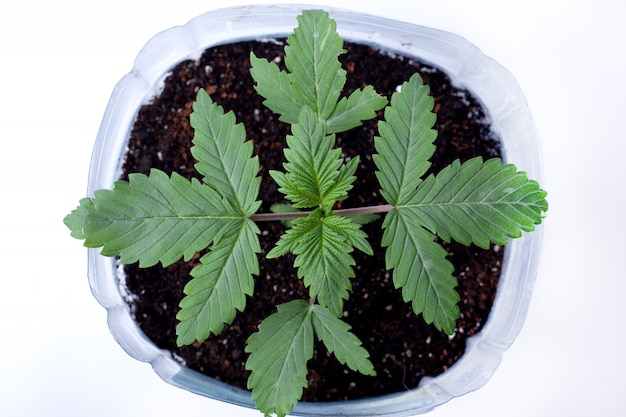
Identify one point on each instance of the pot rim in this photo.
(493, 85)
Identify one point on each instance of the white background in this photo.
(61, 60)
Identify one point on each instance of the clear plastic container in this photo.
(494, 86)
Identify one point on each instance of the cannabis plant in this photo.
(161, 218)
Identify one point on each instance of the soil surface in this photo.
(403, 348)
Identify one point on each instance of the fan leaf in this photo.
(313, 167)
(421, 269)
(322, 245)
(311, 57)
(274, 85)
(478, 202)
(153, 218)
(406, 141)
(224, 156)
(279, 353)
(351, 111)
(336, 336)
(343, 182)
(220, 284)
(314, 78)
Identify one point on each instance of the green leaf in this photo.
(336, 336)
(350, 112)
(290, 239)
(275, 86)
(279, 353)
(224, 156)
(406, 141)
(421, 269)
(311, 57)
(322, 245)
(153, 218)
(343, 182)
(220, 284)
(350, 229)
(78, 218)
(314, 78)
(478, 202)
(312, 166)
(471, 203)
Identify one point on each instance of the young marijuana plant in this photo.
(161, 218)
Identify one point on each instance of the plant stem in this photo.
(267, 217)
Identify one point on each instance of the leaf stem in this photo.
(268, 217)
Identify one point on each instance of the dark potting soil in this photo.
(403, 348)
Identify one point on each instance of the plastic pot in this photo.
(494, 86)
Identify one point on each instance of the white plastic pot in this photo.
(494, 86)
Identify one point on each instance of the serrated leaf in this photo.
(79, 217)
(336, 336)
(311, 57)
(314, 78)
(279, 353)
(153, 218)
(322, 245)
(312, 166)
(478, 202)
(224, 156)
(421, 269)
(324, 262)
(290, 239)
(220, 284)
(274, 85)
(406, 141)
(343, 182)
(350, 112)
(350, 229)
